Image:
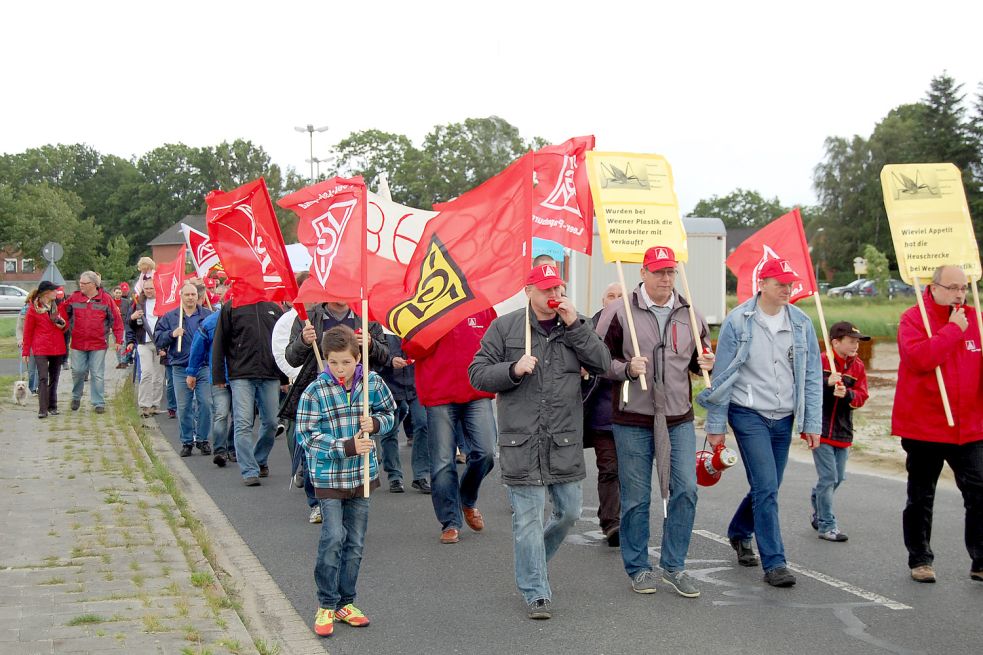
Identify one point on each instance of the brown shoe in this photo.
(923, 573)
(473, 518)
(450, 536)
(976, 575)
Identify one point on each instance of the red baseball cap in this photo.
(659, 257)
(545, 276)
(209, 282)
(124, 287)
(779, 269)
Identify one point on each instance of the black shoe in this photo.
(204, 447)
(745, 554)
(219, 459)
(186, 450)
(396, 487)
(251, 481)
(264, 471)
(614, 539)
(780, 577)
(422, 486)
(814, 522)
(280, 429)
(53, 411)
(76, 404)
(539, 609)
(232, 456)
(42, 414)
(100, 409)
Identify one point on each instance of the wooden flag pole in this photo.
(692, 320)
(822, 324)
(976, 301)
(317, 350)
(938, 369)
(631, 321)
(365, 391)
(590, 267)
(180, 324)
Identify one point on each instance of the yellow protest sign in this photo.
(930, 222)
(636, 205)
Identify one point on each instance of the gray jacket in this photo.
(540, 416)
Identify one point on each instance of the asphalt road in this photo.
(424, 597)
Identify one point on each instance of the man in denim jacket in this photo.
(767, 374)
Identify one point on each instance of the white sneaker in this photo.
(315, 516)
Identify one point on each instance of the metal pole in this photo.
(310, 130)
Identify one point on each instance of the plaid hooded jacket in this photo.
(327, 422)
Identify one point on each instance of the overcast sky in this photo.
(734, 94)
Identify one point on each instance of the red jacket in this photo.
(918, 412)
(91, 320)
(442, 372)
(41, 336)
(838, 412)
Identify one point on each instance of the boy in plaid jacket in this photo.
(328, 422)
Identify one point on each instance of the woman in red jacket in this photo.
(44, 338)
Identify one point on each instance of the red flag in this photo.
(472, 254)
(168, 279)
(244, 231)
(203, 254)
(563, 209)
(783, 238)
(332, 225)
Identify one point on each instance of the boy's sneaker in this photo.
(539, 609)
(644, 583)
(299, 478)
(682, 583)
(780, 576)
(352, 616)
(315, 516)
(745, 554)
(814, 522)
(324, 622)
(833, 535)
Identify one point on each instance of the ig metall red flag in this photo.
(332, 227)
(244, 232)
(562, 206)
(473, 253)
(168, 279)
(203, 254)
(783, 238)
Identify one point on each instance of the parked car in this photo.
(11, 298)
(897, 288)
(855, 288)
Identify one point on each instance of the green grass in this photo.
(87, 619)
(8, 325)
(878, 318)
(8, 343)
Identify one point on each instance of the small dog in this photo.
(20, 392)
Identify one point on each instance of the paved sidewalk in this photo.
(94, 554)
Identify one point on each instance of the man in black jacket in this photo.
(242, 338)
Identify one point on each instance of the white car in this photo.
(11, 298)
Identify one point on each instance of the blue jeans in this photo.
(32, 374)
(480, 434)
(831, 469)
(221, 409)
(185, 406)
(536, 543)
(169, 389)
(636, 453)
(389, 443)
(247, 394)
(764, 445)
(339, 551)
(92, 362)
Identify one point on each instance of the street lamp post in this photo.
(310, 129)
(315, 160)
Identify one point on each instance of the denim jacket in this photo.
(733, 346)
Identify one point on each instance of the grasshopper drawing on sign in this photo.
(905, 187)
(621, 177)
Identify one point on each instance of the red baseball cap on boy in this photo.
(659, 257)
(779, 269)
(545, 276)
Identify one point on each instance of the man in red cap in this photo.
(767, 375)
(540, 420)
(659, 420)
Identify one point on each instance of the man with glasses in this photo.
(91, 315)
(919, 416)
(767, 377)
(667, 354)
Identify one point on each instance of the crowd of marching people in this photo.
(561, 381)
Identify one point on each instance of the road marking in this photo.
(825, 579)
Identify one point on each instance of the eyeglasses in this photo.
(954, 287)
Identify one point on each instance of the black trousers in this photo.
(49, 370)
(924, 464)
(608, 490)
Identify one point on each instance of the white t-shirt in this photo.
(150, 319)
(774, 323)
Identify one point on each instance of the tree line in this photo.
(104, 208)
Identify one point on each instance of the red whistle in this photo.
(552, 303)
(410, 362)
(358, 330)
